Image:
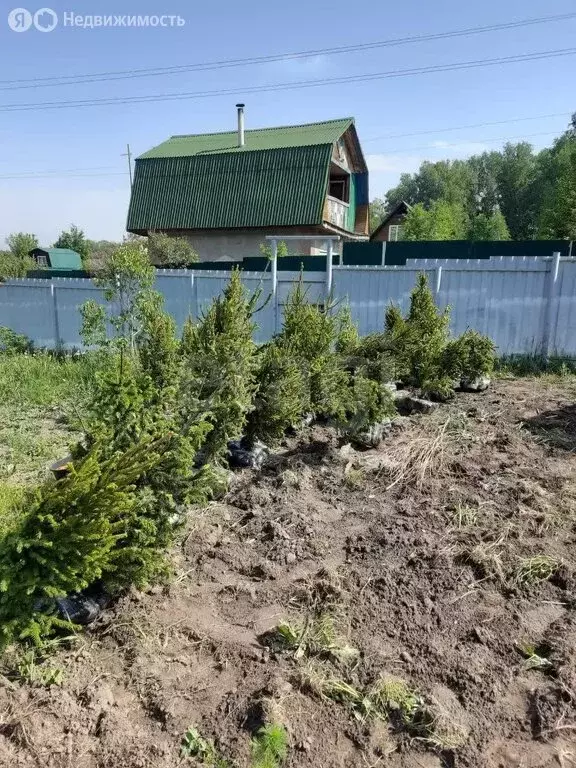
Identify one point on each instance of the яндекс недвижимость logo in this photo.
(21, 20)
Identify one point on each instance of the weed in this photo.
(534, 656)
(464, 516)
(391, 694)
(316, 636)
(355, 478)
(533, 570)
(486, 559)
(31, 671)
(195, 745)
(269, 746)
(424, 453)
(321, 680)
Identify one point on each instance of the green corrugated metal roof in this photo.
(274, 187)
(261, 138)
(64, 258)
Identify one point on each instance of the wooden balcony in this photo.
(336, 212)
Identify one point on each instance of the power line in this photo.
(58, 80)
(446, 145)
(72, 173)
(463, 127)
(293, 85)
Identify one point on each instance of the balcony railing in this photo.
(338, 212)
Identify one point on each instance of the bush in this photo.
(370, 403)
(418, 341)
(166, 250)
(71, 537)
(282, 396)
(12, 265)
(470, 356)
(12, 343)
(220, 360)
(309, 335)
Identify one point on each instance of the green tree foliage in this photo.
(469, 356)
(558, 214)
(20, 244)
(70, 536)
(139, 392)
(442, 221)
(13, 266)
(282, 396)
(418, 341)
(309, 334)
(377, 213)
(165, 250)
(126, 280)
(75, 240)
(534, 192)
(220, 359)
(488, 226)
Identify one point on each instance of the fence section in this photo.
(526, 304)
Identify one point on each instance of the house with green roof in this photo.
(57, 258)
(225, 192)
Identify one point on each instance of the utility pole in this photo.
(128, 154)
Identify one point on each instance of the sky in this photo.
(65, 165)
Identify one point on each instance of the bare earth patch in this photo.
(445, 559)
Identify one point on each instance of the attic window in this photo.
(41, 260)
(394, 231)
(339, 188)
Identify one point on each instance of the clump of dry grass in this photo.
(533, 570)
(486, 559)
(425, 451)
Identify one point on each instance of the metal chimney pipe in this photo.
(240, 108)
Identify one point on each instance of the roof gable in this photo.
(283, 137)
(60, 258)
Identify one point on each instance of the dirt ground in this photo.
(420, 550)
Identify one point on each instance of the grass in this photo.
(535, 365)
(534, 570)
(464, 516)
(269, 747)
(426, 451)
(37, 392)
(355, 478)
(315, 636)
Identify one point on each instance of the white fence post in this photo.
(56, 321)
(275, 284)
(329, 251)
(548, 343)
(438, 280)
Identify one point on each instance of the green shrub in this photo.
(348, 338)
(220, 361)
(373, 358)
(417, 342)
(469, 356)
(309, 335)
(269, 746)
(12, 343)
(69, 537)
(370, 403)
(282, 396)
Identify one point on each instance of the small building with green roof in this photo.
(225, 192)
(64, 259)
